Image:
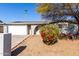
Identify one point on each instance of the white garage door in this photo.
(17, 30)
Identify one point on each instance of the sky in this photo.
(16, 12)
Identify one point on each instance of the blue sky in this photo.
(15, 12)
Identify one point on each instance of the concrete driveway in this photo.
(16, 39)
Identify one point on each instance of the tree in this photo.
(58, 11)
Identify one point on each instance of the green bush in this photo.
(49, 33)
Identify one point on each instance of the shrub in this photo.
(49, 33)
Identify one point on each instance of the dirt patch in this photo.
(35, 47)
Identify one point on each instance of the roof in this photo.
(69, 21)
(31, 22)
(36, 22)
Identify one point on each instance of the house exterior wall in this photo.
(38, 32)
(65, 28)
(33, 29)
(22, 30)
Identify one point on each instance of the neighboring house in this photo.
(67, 28)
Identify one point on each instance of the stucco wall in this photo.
(37, 33)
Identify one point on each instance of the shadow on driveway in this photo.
(18, 50)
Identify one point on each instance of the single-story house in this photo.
(31, 27)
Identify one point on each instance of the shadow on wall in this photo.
(37, 29)
(18, 50)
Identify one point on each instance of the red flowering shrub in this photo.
(49, 33)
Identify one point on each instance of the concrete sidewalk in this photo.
(16, 39)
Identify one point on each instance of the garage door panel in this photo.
(17, 30)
